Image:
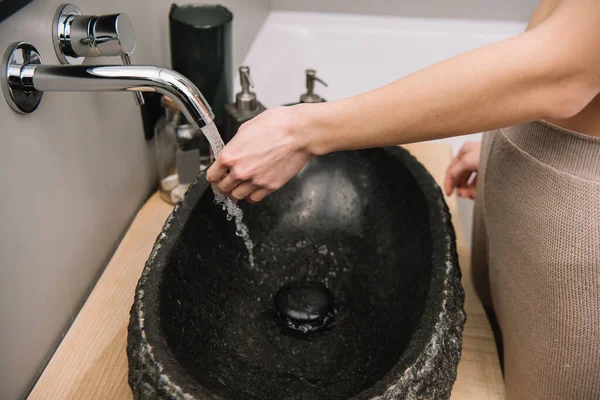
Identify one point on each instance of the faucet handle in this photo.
(110, 35)
(78, 36)
(113, 35)
(139, 99)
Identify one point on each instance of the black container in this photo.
(201, 51)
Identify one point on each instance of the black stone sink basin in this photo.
(368, 232)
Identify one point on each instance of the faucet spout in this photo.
(116, 78)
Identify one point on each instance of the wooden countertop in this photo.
(91, 362)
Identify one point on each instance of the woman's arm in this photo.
(544, 10)
(551, 71)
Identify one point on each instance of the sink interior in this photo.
(357, 222)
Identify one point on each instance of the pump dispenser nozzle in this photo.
(246, 106)
(310, 96)
(245, 101)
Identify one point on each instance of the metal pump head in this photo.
(245, 101)
(310, 96)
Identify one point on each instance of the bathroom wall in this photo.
(519, 10)
(72, 176)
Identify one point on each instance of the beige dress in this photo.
(537, 237)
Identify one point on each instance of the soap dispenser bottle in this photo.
(245, 108)
(310, 96)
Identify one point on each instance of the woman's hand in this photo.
(263, 156)
(462, 171)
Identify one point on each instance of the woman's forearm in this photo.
(510, 82)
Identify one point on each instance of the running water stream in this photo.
(233, 210)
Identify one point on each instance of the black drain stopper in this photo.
(304, 306)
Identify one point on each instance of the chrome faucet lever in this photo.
(139, 99)
(79, 36)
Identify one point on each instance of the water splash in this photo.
(233, 210)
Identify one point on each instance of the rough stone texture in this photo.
(421, 364)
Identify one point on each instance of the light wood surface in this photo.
(91, 362)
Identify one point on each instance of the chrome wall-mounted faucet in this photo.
(24, 77)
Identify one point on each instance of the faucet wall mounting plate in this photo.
(17, 55)
(61, 34)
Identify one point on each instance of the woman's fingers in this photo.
(228, 183)
(258, 195)
(243, 190)
(471, 193)
(448, 186)
(454, 170)
(456, 173)
(263, 155)
(217, 171)
(458, 176)
(467, 192)
(471, 190)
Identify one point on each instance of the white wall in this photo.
(72, 176)
(519, 10)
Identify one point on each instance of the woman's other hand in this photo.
(462, 171)
(264, 155)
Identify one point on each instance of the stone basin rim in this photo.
(436, 358)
